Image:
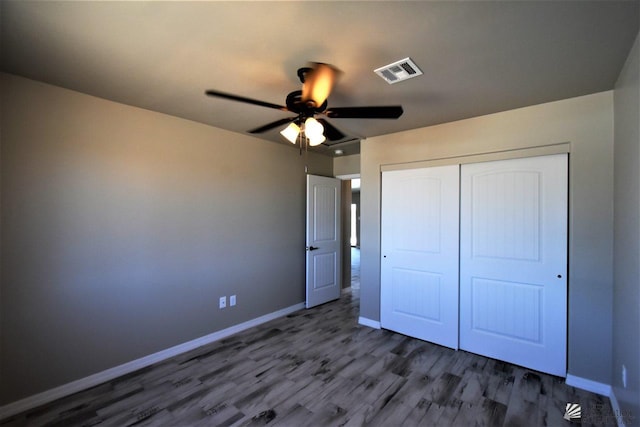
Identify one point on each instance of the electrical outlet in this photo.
(223, 302)
(232, 300)
(624, 376)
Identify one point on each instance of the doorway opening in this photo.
(355, 234)
(350, 240)
(355, 213)
(354, 238)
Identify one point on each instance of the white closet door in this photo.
(513, 261)
(419, 289)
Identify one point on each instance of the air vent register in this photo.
(398, 71)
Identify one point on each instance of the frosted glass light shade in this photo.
(291, 132)
(313, 128)
(316, 140)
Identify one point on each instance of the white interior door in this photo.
(323, 240)
(419, 287)
(513, 261)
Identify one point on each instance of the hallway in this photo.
(355, 268)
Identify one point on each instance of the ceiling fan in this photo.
(317, 82)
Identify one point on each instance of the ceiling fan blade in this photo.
(272, 125)
(319, 82)
(238, 98)
(380, 112)
(330, 131)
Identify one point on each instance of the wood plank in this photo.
(319, 367)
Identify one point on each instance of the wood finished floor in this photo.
(355, 268)
(318, 367)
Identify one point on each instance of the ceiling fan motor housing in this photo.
(306, 109)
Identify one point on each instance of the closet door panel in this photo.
(419, 289)
(513, 261)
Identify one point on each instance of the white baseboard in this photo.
(101, 377)
(588, 385)
(368, 322)
(615, 407)
(601, 389)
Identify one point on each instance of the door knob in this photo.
(311, 248)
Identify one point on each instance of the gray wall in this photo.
(122, 227)
(626, 291)
(587, 124)
(346, 165)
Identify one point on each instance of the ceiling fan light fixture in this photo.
(291, 132)
(317, 81)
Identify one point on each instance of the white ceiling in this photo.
(477, 57)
